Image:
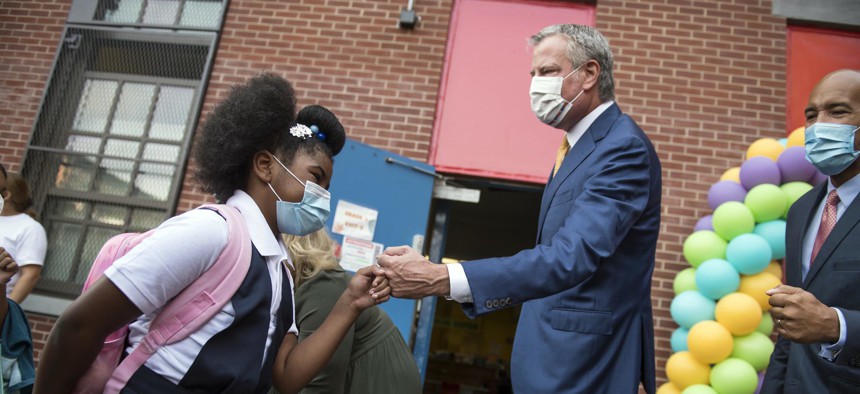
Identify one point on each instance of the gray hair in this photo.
(584, 43)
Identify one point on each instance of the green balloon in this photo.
(685, 280)
(704, 245)
(793, 191)
(754, 348)
(699, 389)
(733, 218)
(766, 325)
(766, 202)
(735, 376)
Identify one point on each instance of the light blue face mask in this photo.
(306, 216)
(830, 147)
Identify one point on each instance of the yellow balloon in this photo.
(684, 370)
(767, 147)
(732, 174)
(756, 285)
(774, 268)
(797, 137)
(710, 342)
(668, 388)
(739, 313)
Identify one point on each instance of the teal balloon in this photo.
(774, 233)
(766, 202)
(679, 340)
(691, 307)
(731, 219)
(749, 253)
(754, 348)
(766, 325)
(783, 142)
(704, 245)
(699, 389)
(685, 280)
(716, 278)
(734, 376)
(793, 191)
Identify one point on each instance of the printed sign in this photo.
(353, 220)
(356, 254)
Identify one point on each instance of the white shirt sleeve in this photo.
(170, 259)
(33, 246)
(830, 351)
(460, 289)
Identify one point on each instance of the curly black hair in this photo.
(255, 116)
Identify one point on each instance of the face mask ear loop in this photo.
(273, 191)
(288, 170)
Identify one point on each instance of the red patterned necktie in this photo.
(828, 220)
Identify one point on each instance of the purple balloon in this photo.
(760, 382)
(725, 191)
(759, 170)
(705, 223)
(818, 178)
(793, 165)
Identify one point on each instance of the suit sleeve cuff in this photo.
(460, 289)
(831, 351)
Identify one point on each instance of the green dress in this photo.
(373, 357)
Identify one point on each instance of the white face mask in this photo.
(547, 103)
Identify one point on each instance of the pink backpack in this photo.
(180, 317)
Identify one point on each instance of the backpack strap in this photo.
(196, 304)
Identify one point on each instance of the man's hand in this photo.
(410, 275)
(8, 266)
(800, 317)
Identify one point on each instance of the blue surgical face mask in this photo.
(830, 147)
(306, 216)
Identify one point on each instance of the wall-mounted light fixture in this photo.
(408, 17)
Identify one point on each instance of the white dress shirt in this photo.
(460, 289)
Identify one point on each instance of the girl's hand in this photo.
(8, 267)
(367, 288)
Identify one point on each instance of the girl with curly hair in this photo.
(274, 167)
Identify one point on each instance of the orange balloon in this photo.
(774, 268)
(767, 147)
(732, 174)
(797, 137)
(739, 313)
(684, 370)
(756, 285)
(710, 342)
(668, 388)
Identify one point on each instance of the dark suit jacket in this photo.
(835, 280)
(586, 323)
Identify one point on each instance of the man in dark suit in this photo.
(586, 322)
(817, 312)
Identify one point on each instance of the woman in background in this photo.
(21, 236)
(373, 357)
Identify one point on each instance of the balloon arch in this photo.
(723, 344)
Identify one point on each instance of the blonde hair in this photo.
(310, 254)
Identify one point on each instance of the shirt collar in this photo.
(848, 191)
(266, 242)
(574, 134)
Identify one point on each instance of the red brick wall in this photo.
(704, 79)
(348, 55)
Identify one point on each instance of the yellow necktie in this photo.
(562, 152)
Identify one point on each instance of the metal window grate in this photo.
(112, 137)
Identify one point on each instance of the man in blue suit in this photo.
(586, 324)
(817, 311)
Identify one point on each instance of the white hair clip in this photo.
(301, 131)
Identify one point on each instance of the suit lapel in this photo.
(797, 233)
(845, 224)
(576, 156)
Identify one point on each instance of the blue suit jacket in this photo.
(586, 324)
(834, 279)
